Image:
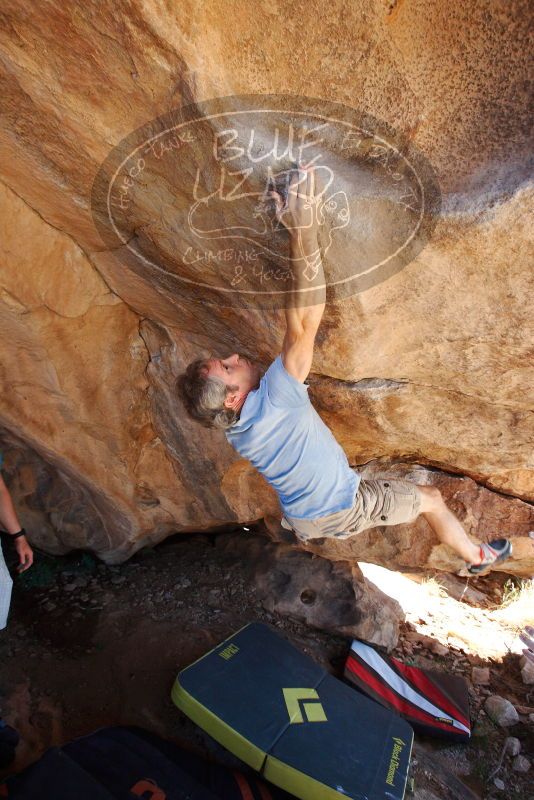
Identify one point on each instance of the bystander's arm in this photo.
(9, 521)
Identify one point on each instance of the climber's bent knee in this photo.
(431, 499)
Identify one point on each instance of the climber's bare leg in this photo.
(447, 527)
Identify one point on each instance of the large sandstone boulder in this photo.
(428, 367)
(333, 596)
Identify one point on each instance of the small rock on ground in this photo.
(521, 764)
(439, 649)
(527, 671)
(480, 675)
(513, 746)
(501, 711)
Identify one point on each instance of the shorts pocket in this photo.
(388, 501)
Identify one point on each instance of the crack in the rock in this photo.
(122, 47)
(41, 217)
(69, 236)
(444, 469)
(477, 397)
(372, 383)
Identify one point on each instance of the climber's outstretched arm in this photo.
(306, 303)
(302, 322)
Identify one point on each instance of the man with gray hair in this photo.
(268, 418)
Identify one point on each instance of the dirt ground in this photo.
(89, 645)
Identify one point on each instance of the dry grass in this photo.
(428, 607)
(517, 609)
(433, 587)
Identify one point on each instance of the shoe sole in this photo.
(489, 567)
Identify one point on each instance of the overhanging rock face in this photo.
(429, 367)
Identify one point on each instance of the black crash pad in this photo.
(286, 717)
(125, 763)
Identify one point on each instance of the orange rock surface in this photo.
(431, 367)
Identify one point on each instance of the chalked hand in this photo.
(299, 211)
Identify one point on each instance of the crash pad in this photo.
(301, 728)
(128, 762)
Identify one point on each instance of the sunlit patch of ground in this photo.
(488, 633)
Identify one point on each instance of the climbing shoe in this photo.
(492, 553)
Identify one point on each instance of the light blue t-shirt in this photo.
(283, 436)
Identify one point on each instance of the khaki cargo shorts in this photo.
(377, 502)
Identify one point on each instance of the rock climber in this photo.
(267, 416)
